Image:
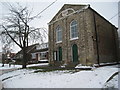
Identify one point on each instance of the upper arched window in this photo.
(58, 34)
(74, 29)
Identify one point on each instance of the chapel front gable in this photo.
(66, 10)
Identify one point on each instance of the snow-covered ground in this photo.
(96, 78)
(6, 66)
(39, 64)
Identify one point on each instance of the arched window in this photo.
(58, 34)
(73, 29)
(75, 53)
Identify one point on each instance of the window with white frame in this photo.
(33, 55)
(73, 29)
(43, 55)
(58, 34)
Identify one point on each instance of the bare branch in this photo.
(11, 37)
(16, 29)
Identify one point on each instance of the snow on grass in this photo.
(60, 79)
(84, 67)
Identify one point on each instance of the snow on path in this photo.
(6, 66)
(60, 79)
(113, 83)
(19, 66)
(40, 64)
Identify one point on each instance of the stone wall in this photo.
(84, 41)
(93, 31)
(107, 39)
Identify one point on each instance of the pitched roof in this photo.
(29, 49)
(76, 7)
(102, 17)
(40, 50)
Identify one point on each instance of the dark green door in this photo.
(60, 54)
(75, 53)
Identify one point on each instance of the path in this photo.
(3, 71)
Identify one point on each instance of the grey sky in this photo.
(107, 9)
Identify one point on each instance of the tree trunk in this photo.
(3, 60)
(24, 55)
(24, 58)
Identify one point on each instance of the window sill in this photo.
(74, 38)
(58, 42)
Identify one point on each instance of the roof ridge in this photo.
(77, 4)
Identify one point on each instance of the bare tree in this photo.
(6, 49)
(16, 29)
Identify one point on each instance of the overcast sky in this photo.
(107, 8)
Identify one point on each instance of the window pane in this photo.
(58, 34)
(74, 29)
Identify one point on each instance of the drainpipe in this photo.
(96, 36)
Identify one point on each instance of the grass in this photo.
(53, 68)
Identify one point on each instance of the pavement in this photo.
(3, 71)
(7, 70)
